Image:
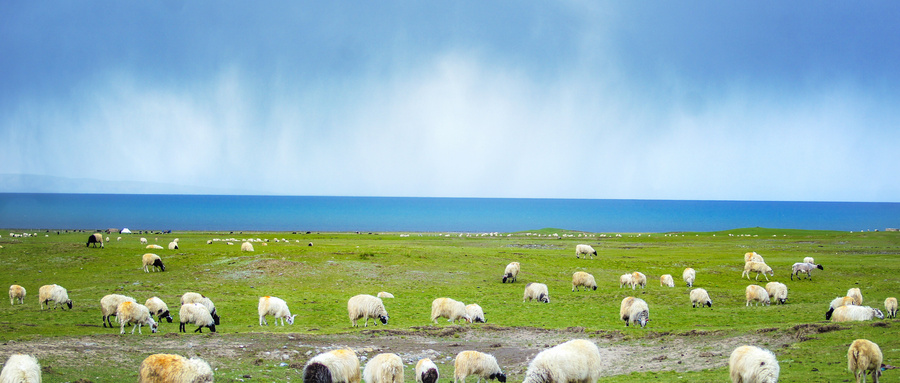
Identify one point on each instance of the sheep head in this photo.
(290, 319)
(708, 303)
(643, 318)
(544, 298)
(69, 303)
(153, 326)
(501, 377)
(383, 319)
(158, 263)
(878, 314)
(820, 267)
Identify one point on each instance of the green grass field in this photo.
(317, 280)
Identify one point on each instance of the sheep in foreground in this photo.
(16, 293)
(577, 360)
(55, 293)
(448, 308)
(837, 302)
(688, 275)
(475, 313)
(580, 278)
(700, 298)
(196, 314)
(638, 279)
(624, 280)
(190, 297)
(366, 306)
(384, 368)
(803, 267)
(759, 268)
(277, 308)
(246, 246)
(666, 280)
(536, 291)
(135, 314)
(154, 246)
(426, 371)
(159, 308)
(476, 363)
(173, 245)
(634, 310)
(338, 366)
(171, 368)
(751, 364)
(809, 260)
(94, 239)
(153, 260)
(864, 356)
(753, 257)
(511, 272)
(856, 313)
(385, 294)
(757, 294)
(585, 250)
(856, 294)
(21, 368)
(777, 292)
(109, 304)
(890, 307)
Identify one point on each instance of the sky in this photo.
(786, 101)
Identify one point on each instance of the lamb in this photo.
(338, 366)
(803, 267)
(777, 292)
(634, 310)
(753, 257)
(577, 360)
(55, 293)
(16, 293)
(856, 313)
(511, 272)
(21, 368)
(700, 298)
(536, 291)
(580, 278)
(206, 302)
(384, 368)
(475, 313)
(385, 294)
(688, 275)
(838, 302)
(246, 246)
(666, 280)
(197, 314)
(450, 309)
(151, 259)
(426, 371)
(109, 305)
(890, 307)
(159, 308)
(94, 239)
(155, 247)
(856, 294)
(624, 280)
(136, 314)
(586, 250)
(751, 364)
(864, 356)
(476, 363)
(366, 306)
(757, 294)
(809, 260)
(758, 267)
(171, 368)
(173, 245)
(275, 307)
(638, 279)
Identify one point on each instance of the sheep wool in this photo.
(890, 307)
(837, 302)
(753, 364)
(688, 275)
(666, 280)
(109, 305)
(135, 314)
(777, 292)
(16, 293)
(476, 363)
(246, 246)
(196, 314)
(809, 260)
(475, 313)
(757, 294)
(864, 356)
(638, 279)
(152, 260)
(143, 241)
(173, 245)
(171, 368)
(585, 250)
(426, 371)
(577, 360)
(277, 308)
(634, 310)
(536, 291)
(759, 268)
(448, 308)
(157, 247)
(700, 298)
(365, 306)
(385, 294)
(856, 294)
(753, 257)
(582, 279)
(159, 308)
(338, 366)
(21, 368)
(511, 272)
(856, 313)
(55, 293)
(203, 300)
(384, 368)
(624, 280)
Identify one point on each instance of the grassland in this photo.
(679, 344)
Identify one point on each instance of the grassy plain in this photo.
(679, 344)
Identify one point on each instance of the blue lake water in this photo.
(298, 213)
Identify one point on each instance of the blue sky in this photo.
(646, 100)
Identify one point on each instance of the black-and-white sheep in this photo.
(536, 291)
(689, 275)
(476, 363)
(191, 297)
(583, 279)
(365, 306)
(475, 313)
(16, 293)
(135, 314)
(864, 356)
(197, 314)
(55, 293)
(753, 364)
(856, 313)
(277, 308)
(338, 366)
(384, 368)
(94, 239)
(777, 291)
(152, 260)
(426, 371)
(804, 267)
(634, 310)
(577, 360)
(159, 308)
(511, 272)
(21, 368)
(171, 368)
(585, 250)
(109, 304)
(700, 298)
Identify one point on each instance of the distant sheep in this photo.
(159, 308)
(109, 305)
(585, 250)
(753, 257)
(366, 306)
(856, 313)
(94, 239)
(803, 267)
(777, 292)
(16, 293)
(476, 363)
(196, 314)
(155, 247)
(577, 360)
(536, 291)
(448, 308)
(426, 371)
(171, 368)
(759, 268)
(385, 294)
(838, 302)
(700, 298)
(143, 241)
(152, 260)
(55, 293)
(21, 368)
(856, 294)
(634, 310)
(757, 294)
(277, 308)
(475, 313)
(511, 272)
(753, 364)
(246, 246)
(890, 307)
(809, 260)
(688, 275)
(338, 366)
(864, 356)
(638, 279)
(135, 314)
(173, 245)
(384, 368)
(580, 278)
(666, 280)
(625, 280)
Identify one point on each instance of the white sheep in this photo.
(448, 308)
(159, 308)
(634, 310)
(55, 293)
(153, 260)
(143, 241)
(700, 298)
(666, 280)
(366, 306)
(777, 292)
(475, 313)
(804, 267)
(154, 246)
(756, 294)
(890, 307)
(864, 356)
(689, 275)
(856, 313)
(277, 308)
(135, 314)
(856, 294)
(624, 280)
(751, 364)
(586, 250)
(21, 368)
(173, 245)
(577, 360)
(759, 268)
(426, 371)
(536, 291)
(16, 293)
(385, 294)
(476, 363)
(171, 368)
(246, 246)
(190, 297)
(753, 257)
(95, 239)
(580, 278)
(809, 260)
(338, 366)
(109, 304)
(511, 272)
(384, 368)
(638, 279)
(838, 302)
(197, 314)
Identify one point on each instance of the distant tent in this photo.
(126, 231)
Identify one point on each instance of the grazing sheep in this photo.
(159, 308)
(634, 310)
(536, 291)
(624, 280)
(777, 292)
(173, 245)
(838, 302)
(338, 366)
(136, 314)
(803, 267)
(758, 267)
(143, 241)
(21, 368)
(638, 279)
(55, 293)
(757, 294)
(95, 239)
(206, 302)
(366, 306)
(856, 313)
(385, 294)
(277, 308)
(511, 272)
(688, 275)
(384, 368)
(586, 250)
(751, 364)
(155, 247)
(450, 309)
(856, 294)
(246, 246)
(864, 356)
(426, 371)
(475, 313)
(700, 298)
(476, 363)
(118, 239)
(151, 259)
(577, 360)
(109, 304)
(197, 314)
(171, 368)
(666, 280)
(16, 292)
(580, 278)
(753, 257)
(809, 260)
(890, 307)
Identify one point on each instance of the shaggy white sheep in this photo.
(384, 368)
(159, 308)
(666, 280)
(277, 308)
(757, 294)
(809, 260)
(759, 268)
(688, 275)
(803, 267)
(856, 294)
(448, 308)
(95, 239)
(109, 304)
(153, 260)
(638, 279)
(700, 298)
(475, 313)
(586, 250)
(580, 278)
(751, 364)
(154, 246)
(190, 297)
(856, 313)
(511, 272)
(753, 257)
(634, 310)
(536, 291)
(196, 314)
(476, 363)
(143, 241)
(173, 245)
(577, 360)
(777, 292)
(16, 293)
(171, 368)
(426, 371)
(890, 307)
(624, 280)
(385, 294)
(21, 368)
(864, 356)
(838, 302)
(338, 366)
(55, 293)
(135, 314)
(366, 306)
(246, 246)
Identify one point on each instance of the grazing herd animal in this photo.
(135, 314)
(537, 292)
(856, 313)
(55, 293)
(863, 357)
(634, 310)
(277, 308)
(477, 363)
(384, 368)
(777, 292)
(666, 280)
(426, 371)
(582, 279)
(109, 306)
(475, 313)
(757, 294)
(700, 298)
(638, 279)
(688, 275)
(159, 308)
(196, 314)
(337, 366)
(585, 250)
(758, 268)
(152, 260)
(804, 267)
(890, 307)
(16, 293)
(577, 360)
(751, 364)
(449, 308)
(365, 306)
(171, 368)
(511, 272)
(95, 239)
(21, 368)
